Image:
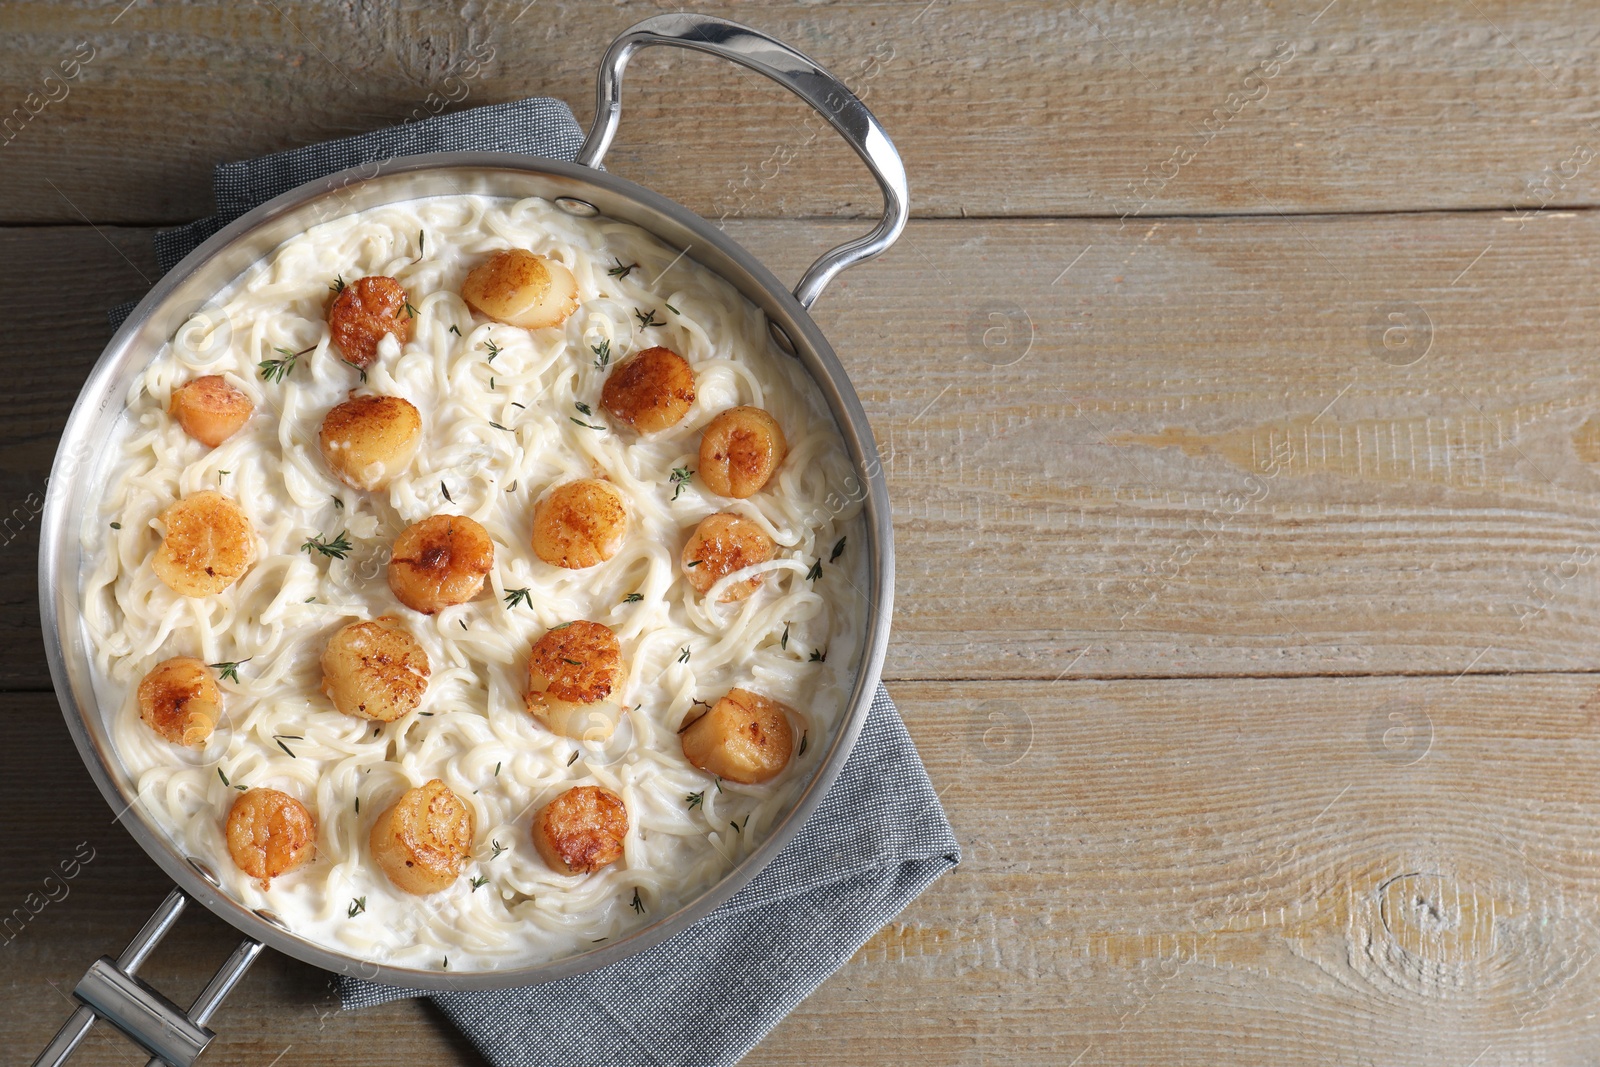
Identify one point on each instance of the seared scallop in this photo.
(180, 700)
(440, 561)
(721, 544)
(424, 839)
(581, 830)
(745, 738)
(739, 451)
(270, 833)
(575, 675)
(209, 543)
(649, 391)
(579, 524)
(519, 288)
(364, 313)
(368, 440)
(209, 409)
(375, 670)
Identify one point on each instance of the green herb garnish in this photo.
(357, 906)
(619, 271)
(514, 597)
(683, 654)
(838, 550)
(479, 882)
(602, 353)
(338, 284)
(680, 478)
(276, 370)
(337, 548)
(229, 670)
(694, 800)
(646, 318)
(816, 570)
(638, 905)
(633, 598)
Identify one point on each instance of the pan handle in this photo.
(799, 75)
(111, 990)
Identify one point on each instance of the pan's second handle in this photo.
(111, 990)
(797, 73)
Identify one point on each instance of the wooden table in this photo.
(1238, 377)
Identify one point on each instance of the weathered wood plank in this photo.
(1034, 108)
(1207, 462)
(1290, 872)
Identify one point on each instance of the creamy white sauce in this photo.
(472, 729)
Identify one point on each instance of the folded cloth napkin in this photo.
(705, 997)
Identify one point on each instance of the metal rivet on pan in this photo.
(780, 336)
(573, 206)
(205, 872)
(264, 914)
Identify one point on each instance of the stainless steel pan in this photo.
(111, 989)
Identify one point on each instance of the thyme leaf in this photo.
(838, 549)
(647, 318)
(276, 370)
(335, 548)
(602, 353)
(680, 478)
(357, 906)
(514, 597)
(694, 800)
(619, 271)
(633, 598)
(228, 670)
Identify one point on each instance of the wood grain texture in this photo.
(1035, 108)
(1206, 461)
(1279, 872)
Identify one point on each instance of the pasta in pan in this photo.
(268, 430)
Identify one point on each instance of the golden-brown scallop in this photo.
(269, 834)
(424, 839)
(721, 544)
(180, 700)
(744, 738)
(366, 311)
(209, 409)
(375, 670)
(579, 524)
(581, 830)
(519, 288)
(440, 561)
(739, 451)
(209, 543)
(368, 440)
(651, 390)
(575, 675)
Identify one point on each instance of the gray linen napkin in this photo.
(705, 997)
